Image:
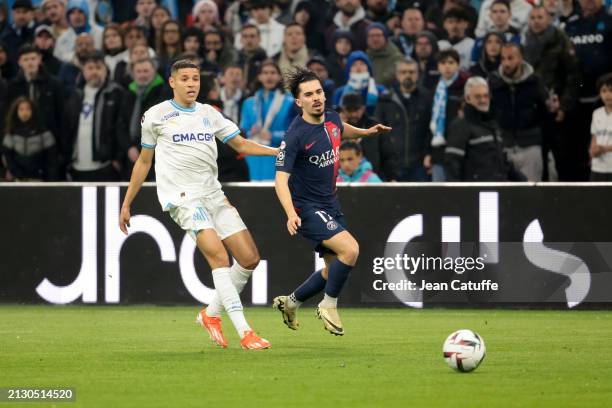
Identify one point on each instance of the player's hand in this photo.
(427, 162)
(596, 150)
(293, 223)
(378, 130)
(124, 219)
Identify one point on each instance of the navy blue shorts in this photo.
(320, 224)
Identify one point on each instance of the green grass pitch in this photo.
(147, 356)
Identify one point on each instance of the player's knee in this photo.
(252, 261)
(218, 259)
(352, 253)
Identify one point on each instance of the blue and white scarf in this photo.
(356, 84)
(438, 116)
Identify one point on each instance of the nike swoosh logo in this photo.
(308, 146)
(339, 329)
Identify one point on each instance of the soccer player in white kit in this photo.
(181, 133)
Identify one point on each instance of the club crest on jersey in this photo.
(335, 133)
(169, 116)
(332, 225)
(206, 122)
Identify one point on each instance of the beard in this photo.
(349, 10)
(408, 83)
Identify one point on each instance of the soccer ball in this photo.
(464, 350)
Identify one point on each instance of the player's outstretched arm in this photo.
(352, 132)
(250, 148)
(281, 185)
(139, 175)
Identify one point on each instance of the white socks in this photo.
(329, 301)
(240, 277)
(292, 302)
(228, 295)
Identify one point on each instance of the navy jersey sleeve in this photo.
(288, 150)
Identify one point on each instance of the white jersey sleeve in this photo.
(148, 135)
(223, 128)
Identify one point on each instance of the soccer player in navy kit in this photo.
(307, 168)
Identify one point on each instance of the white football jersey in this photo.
(185, 149)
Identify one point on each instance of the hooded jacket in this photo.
(357, 25)
(370, 98)
(64, 46)
(520, 106)
(362, 174)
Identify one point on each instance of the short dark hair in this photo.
(145, 60)
(351, 145)
(604, 80)
(503, 2)
(298, 76)
(27, 49)
(95, 56)
(232, 65)
(249, 25)
(514, 45)
(448, 53)
(182, 64)
(456, 13)
(294, 24)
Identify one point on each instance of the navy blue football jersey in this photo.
(310, 153)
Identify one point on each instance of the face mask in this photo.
(359, 80)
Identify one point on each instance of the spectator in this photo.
(70, 73)
(134, 35)
(474, 147)
(342, 46)
(455, 23)
(206, 16)
(412, 24)
(351, 17)
(215, 50)
(590, 31)
(379, 12)
(169, 46)
(425, 51)
(519, 104)
(317, 65)
(265, 117)
(77, 13)
(601, 131)
(305, 15)
(354, 168)
(231, 93)
(490, 55)
(519, 11)
(45, 42)
(551, 55)
(446, 105)
(294, 52)
(159, 17)
(95, 125)
(28, 147)
(270, 31)
(383, 54)
(147, 90)
(112, 45)
(21, 31)
(45, 91)
(193, 41)
(380, 151)
(55, 15)
(123, 71)
(3, 20)
(407, 110)
(144, 12)
(500, 17)
(360, 80)
(251, 55)
(559, 10)
(8, 68)
(434, 16)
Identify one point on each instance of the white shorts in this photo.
(208, 213)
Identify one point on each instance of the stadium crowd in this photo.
(475, 90)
